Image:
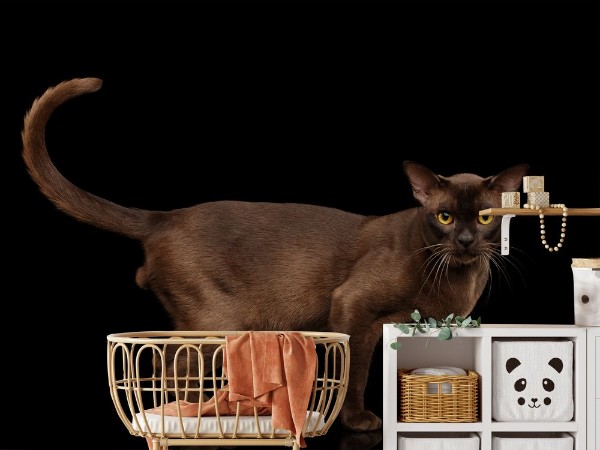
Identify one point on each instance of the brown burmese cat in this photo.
(265, 266)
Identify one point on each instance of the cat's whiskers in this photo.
(447, 260)
(431, 259)
(436, 264)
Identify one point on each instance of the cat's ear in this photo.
(422, 180)
(509, 180)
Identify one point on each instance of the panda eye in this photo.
(445, 218)
(548, 384)
(485, 220)
(521, 384)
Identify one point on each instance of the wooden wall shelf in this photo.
(534, 212)
(509, 213)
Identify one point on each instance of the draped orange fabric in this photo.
(271, 371)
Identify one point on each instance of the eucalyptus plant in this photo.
(446, 326)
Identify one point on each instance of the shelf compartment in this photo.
(532, 441)
(439, 441)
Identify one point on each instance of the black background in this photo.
(314, 102)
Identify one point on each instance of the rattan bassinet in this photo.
(139, 379)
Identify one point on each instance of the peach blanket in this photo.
(268, 370)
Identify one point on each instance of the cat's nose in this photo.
(534, 400)
(465, 237)
(465, 240)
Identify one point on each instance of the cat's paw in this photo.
(360, 420)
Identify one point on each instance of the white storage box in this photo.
(532, 381)
(531, 441)
(438, 441)
(586, 290)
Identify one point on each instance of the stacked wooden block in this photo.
(533, 187)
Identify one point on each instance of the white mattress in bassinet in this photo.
(209, 424)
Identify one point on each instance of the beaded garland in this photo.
(563, 227)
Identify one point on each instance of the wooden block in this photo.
(540, 199)
(511, 200)
(533, 184)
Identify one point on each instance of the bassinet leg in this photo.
(296, 446)
(156, 444)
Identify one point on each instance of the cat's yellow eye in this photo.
(445, 218)
(485, 220)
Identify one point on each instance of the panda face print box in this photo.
(532, 381)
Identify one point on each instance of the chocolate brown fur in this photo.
(267, 266)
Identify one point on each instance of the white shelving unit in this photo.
(593, 394)
(471, 348)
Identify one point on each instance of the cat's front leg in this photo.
(353, 415)
(358, 307)
(364, 332)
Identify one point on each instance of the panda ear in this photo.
(556, 364)
(512, 364)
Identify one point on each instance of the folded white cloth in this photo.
(439, 370)
(432, 388)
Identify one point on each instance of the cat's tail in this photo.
(66, 196)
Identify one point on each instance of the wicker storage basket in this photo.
(438, 398)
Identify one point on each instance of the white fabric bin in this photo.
(438, 441)
(531, 441)
(532, 380)
(586, 291)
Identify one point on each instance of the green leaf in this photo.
(479, 321)
(395, 345)
(466, 322)
(445, 334)
(432, 322)
(404, 328)
(419, 327)
(459, 320)
(449, 318)
(416, 316)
